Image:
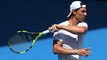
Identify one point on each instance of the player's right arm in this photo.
(57, 49)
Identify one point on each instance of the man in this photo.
(68, 38)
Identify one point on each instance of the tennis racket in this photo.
(22, 41)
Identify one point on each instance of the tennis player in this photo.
(68, 38)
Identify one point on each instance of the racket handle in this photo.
(46, 31)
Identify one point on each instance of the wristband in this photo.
(75, 51)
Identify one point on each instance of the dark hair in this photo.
(82, 3)
(72, 14)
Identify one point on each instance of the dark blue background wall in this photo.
(33, 15)
(38, 15)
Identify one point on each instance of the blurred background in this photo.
(38, 15)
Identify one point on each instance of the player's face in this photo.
(81, 14)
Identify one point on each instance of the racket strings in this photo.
(21, 42)
(27, 37)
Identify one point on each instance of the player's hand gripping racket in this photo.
(22, 41)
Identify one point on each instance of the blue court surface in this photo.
(38, 15)
(42, 50)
